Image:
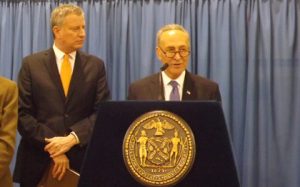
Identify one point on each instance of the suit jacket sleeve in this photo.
(131, 93)
(217, 95)
(29, 127)
(84, 127)
(8, 127)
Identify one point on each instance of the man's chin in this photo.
(175, 73)
(79, 46)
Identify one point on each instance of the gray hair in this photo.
(59, 13)
(170, 27)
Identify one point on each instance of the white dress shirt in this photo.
(168, 87)
(59, 55)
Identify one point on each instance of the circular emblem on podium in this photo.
(159, 148)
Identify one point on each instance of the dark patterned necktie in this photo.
(174, 96)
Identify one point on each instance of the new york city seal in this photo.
(159, 148)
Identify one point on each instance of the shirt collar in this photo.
(60, 54)
(167, 79)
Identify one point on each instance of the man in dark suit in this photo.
(174, 82)
(60, 89)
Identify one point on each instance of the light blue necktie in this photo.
(174, 96)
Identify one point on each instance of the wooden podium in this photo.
(213, 166)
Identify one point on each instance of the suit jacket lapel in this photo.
(50, 62)
(77, 72)
(189, 91)
(157, 88)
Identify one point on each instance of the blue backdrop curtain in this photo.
(251, 48)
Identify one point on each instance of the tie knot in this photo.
(66, 57)
(173, 83)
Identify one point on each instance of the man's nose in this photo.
(177, 56)
(82, 32)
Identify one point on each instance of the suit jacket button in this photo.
(66, 115)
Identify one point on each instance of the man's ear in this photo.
(158, 54)
(56, 31)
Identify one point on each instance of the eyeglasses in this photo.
(171, 53)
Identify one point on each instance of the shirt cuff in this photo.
(76, 137)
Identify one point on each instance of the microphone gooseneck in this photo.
(164, 67)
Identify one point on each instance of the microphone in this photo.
(164, 67)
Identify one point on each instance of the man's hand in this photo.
(59, 145)
(61, 164)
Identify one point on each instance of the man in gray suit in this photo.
(60, 89)
(174, 82)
